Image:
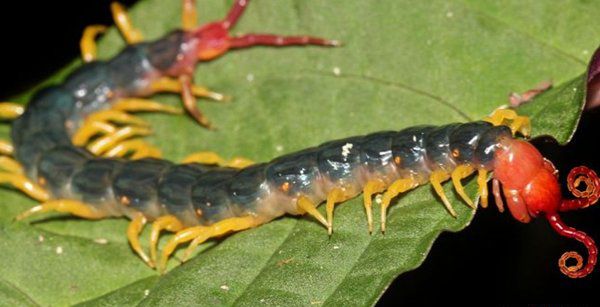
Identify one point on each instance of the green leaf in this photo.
(403, 63)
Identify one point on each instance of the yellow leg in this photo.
(107, 142)
(509, 117)
(10, 110)
(89, 129)
(482, 183)
(88, 42)
(307, 206)
(200, 234)
(436, 178)
(372, 187)
(168, 223)
(117, 117)
(210, 157)
(139, 148)
(336, 195)
(239, 162)
(462, 171)
(133, 236)
(123, 22)
(6, 148)
(189, 16)
(10, 165)
(397, 187)
(143, 105)
(25, 185)
(71, 206)
(171, 85)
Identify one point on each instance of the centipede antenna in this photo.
(585, 198)
(575, 271)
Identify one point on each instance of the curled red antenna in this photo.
(585, 198)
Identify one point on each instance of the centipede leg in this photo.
(88, 42)
(25, 185)
(462, 171)
(100, 122)
(209, 157)
(200, 234)
(189, 15)
(520, 124)
(6, 148)
(371, 187)
(143, 105)
(436, 178)
(10, 110)
(167, 222)
(170, 85)
(133, 236)
(397, 187)
(107, 142)
(123, 22)
(307, 206)
(139, 148)
(10, 165)
(336, 195)
(482, 177)
(497, 195)
(71, 206)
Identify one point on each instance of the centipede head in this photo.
(531, 187)
(213, 40)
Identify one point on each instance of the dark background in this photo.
(508, 261)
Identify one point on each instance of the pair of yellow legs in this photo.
(183, 85)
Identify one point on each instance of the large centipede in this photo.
(199, 201)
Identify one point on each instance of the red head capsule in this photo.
(531, 187)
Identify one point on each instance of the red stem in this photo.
(569, 232)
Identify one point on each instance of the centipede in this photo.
(75, 150)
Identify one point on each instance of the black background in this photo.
(495, 260)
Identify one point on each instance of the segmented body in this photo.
(204, 201)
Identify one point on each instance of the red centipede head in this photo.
(213, 40)
(530, 185)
